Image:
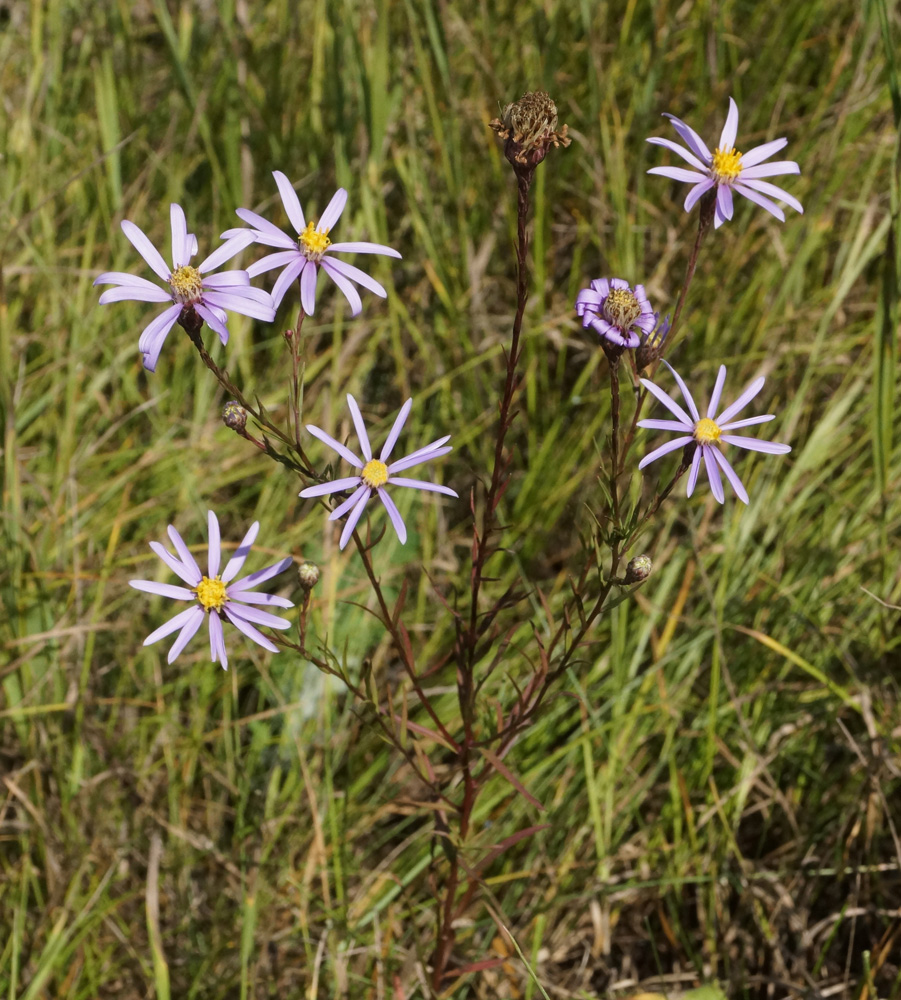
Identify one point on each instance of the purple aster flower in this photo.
(727, 169)
(301, 257)
(375, 474)
(616, 312)
(215, 595)
(189, 288)
(708, 432)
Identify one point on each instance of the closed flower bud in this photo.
(308, 574)
(234, 416)
(639, 569)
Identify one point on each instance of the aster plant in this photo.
(194, 291)
(375, 473)
(705, 435)
(727, 169)
(616, 312)
(214, 596)
(302, 256)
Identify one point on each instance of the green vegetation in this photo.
(720, 776)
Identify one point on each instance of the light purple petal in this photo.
(146, 249)
(357, 247)
(736, 484)
(774, 192)
(133, 293)
(290, 201)
(394, 433)
(667, 401)
(775, 169)
(274, 236)
(759, 199)
(359, 427)
(420, 484)
(233, 567)
(692, 409)
(760, 153)
(151, 341)
(122, 278)
(287, 278)
(691, 138)
(224, 253)
(253, 634)
(665, 449)
(217, 641)
(261, 576)
(346, 288)
(693, 473)
(717, 393)
(336, 486)
(351, 523)
(274, 260)
(754, 444)
(243, 304)
(180, 245)
(417, 458)
(308, 288)
(666, 425)
(163, 589)
(686, 155)
(713, 474)
(213, 321)
(215, 553)
(179, 621)
(394, 514)
(345, 453)
(696, 192)
(189, 630)
(742, 400)
(184, 553)
(272, 600)
(355, 274)
(351, 501)
(747, 422)
(333, 211)
(679, 174)
(724, 200)
(730, 131)
(227, 279)
(249, 614)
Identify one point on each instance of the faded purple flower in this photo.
(616, 312)
(708, 432)
(215, 595)
(301, 257)
(189, 288)
(727, 169)
(375, 474)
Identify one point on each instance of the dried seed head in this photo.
(529, 127)
(308, 574)
(234, 415)
(638, 570)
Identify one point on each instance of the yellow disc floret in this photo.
(707, 431)
(211, 593)
(621, 308)
(187, 283)
(375, 473)
(726, 165)
(313, 243)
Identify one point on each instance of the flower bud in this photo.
(234, 415)
(308, 574)
(652, 346)
(638, 570)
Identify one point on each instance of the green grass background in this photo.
(721, 782)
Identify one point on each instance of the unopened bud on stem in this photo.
(638, 570)
(308, 574)
(234, 415)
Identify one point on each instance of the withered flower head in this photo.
(529, 128)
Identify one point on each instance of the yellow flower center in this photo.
(211, 593)
(375, 473)
(621, 308)
(707, 431)
(312, 243)
(726, 165)
(187, 283)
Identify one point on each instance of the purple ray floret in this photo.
(376, 473)
(301, 256)
(616, 312)
(727, 170)
(189, 288)
(709, 433)
(217, 595)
